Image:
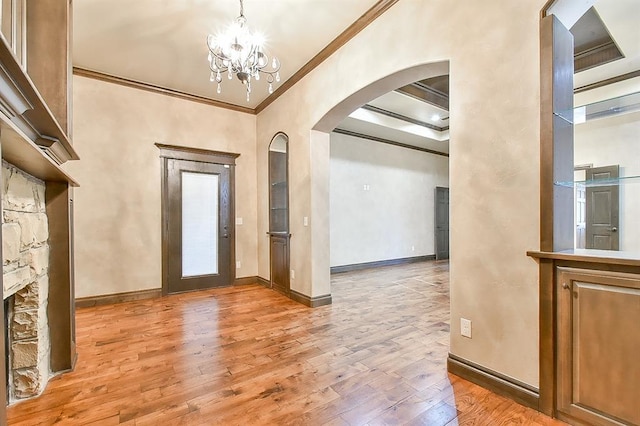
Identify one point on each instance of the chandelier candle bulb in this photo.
(239, 51)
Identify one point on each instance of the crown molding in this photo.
(388, 142)
(361, 23)
(404, 118)
(608, 81)
(368, 17)
(83, 72)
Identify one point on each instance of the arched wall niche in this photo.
(279, 213)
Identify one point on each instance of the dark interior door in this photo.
(442, 223)
(198, 226)
(602, 208)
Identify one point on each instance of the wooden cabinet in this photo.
(279, 214)
(598, 346)
(279, 253)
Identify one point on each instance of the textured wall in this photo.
(118, 204)
(25, 256)
(395, 214)
(493, 52)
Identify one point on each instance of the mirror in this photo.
(607, 174)
(606, 125)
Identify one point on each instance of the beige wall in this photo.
(117, 207)
(493, 49)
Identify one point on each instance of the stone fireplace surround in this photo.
(25, 253)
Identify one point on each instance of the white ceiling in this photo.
(378, 125)
(622, 19)
(163, 43)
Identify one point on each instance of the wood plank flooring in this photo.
(249, 356)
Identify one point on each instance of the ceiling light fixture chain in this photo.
(239, 52)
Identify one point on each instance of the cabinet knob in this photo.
(614, 229)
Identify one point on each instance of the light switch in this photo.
(305, 221)
(239, 221)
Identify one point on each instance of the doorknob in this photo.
(614, 229)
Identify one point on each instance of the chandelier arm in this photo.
(269, 72)
(241, 9)
(218, 67)
(263, 69)
(219, 55)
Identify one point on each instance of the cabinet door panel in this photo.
(280, 264)
(598, 368)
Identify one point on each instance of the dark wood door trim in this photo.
(196, 154)
(169, 153)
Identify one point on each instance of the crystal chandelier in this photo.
(240, 52)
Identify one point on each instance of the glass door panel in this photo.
(199, 224)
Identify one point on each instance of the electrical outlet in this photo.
(238, 264)
(293, 274)
(465, 327)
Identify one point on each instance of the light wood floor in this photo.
(249, 356)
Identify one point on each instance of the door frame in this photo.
(173, 152)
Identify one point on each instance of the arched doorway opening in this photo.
(373, 233)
